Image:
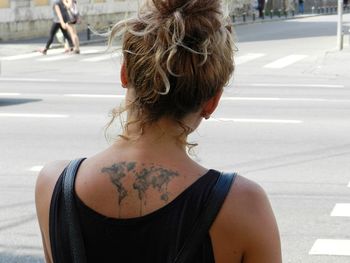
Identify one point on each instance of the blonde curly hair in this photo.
(178, 54)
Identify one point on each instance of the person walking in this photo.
(261, 7)
(73, 18)
(144, 199)
(59, 22)
(301, 6)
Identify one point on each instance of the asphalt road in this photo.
(284, 122)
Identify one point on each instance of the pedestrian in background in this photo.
(261, 7)
(73, 18)
(144, 199)
(59, 22)
(301, 6)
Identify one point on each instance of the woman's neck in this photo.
(164, 133)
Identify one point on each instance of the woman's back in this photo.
(164, 230)
(140, 198)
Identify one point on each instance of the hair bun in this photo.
(187, 7)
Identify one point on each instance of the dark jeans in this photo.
(53, 31)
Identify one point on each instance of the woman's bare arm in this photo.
(60, 17)
(45, 185)
(245, 229)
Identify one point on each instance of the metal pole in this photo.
(340, 25)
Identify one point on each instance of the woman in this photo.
(59, 22)
(73, 18)
(139, 200)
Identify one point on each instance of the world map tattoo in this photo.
(146, 177)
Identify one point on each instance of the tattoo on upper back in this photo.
(146, 177)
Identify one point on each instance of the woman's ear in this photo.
(210, 106)
(123, 76)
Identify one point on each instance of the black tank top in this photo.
(156, 237)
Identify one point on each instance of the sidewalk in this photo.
(335, 63)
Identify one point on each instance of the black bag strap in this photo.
(206, 219)
(72, 221)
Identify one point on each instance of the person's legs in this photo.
(75, 39)
(67, 36)
(53, 31)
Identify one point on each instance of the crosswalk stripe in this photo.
(335, 247)
(297, 85)
(9, 94)
(249, 57)
(29, 55)
(101, 96)
(341, 210)
(28, 115)
(238, 120)
(22, 56)
(36, 168)
(67, 56)
(102, 57)
(285, 61)
(55, 58)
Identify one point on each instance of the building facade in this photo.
(24, 19)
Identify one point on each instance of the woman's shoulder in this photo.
(246, 222)
(51, 171)
(47, 179)
(245, 202)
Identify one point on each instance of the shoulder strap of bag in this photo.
(207, 217)
(72, 222)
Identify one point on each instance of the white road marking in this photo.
(90, 51)
(349, 184)
(246, 58)
(28, 79)
(103, 57)
(336, 247)
(295, 85)
(9, 94)
(55, 58)
(36, 168)
(22, 56)
(29, 115)
(102, 96)
(281, 99)
(67, 56)
(276, 121)
(341, 210)
(29, 55)
(285, 61)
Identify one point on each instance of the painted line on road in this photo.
(98, 96)
(247, 58)
(334, 247)
(29, 115)
(36, 168)
(341, 210)
(22, 56)
(109, 56)
(29, 55)
(9, 94)
(285, 61)
(274, 121)
(56, 58)
(295, 85)
(69, 55)
(281, 99)
(349, 184)
(28, 79)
